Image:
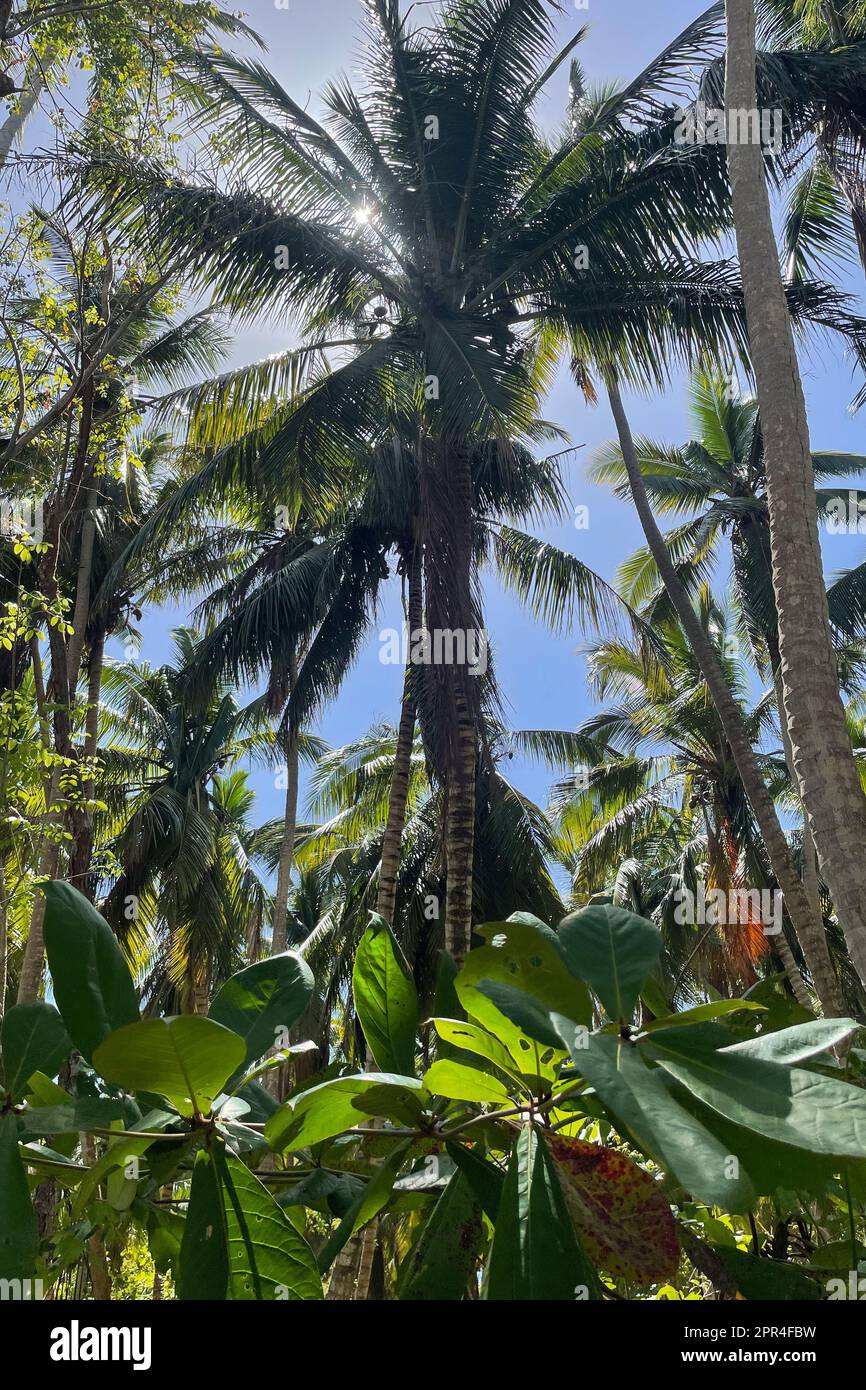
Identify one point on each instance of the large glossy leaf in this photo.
(84, 1114)
(457, 1082)
(328, 1109)
(442, 1261)
(90, 978)
(203, 1265)
(535, 1252)
(622, 1216)
(268, 1258)
(614, 951)
(262, 1002)
(485, 1179)
(186, 1059)
(637, 1097)
(18, 1235)
(385, 999)
(522, 957)
(788, 1104)
(795, 1044)
(470, 1038)
(33, 1038)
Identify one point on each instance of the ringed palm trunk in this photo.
(452, 617)
(776, 845)
(398, 795)
(354, 1265)
(823, 759)
(287, 844)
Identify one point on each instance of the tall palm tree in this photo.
(823, 757)
(658, 777)
(428, 227)
(718, 481)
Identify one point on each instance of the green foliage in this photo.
(90, 978)
(187, 1059)
(385, 999)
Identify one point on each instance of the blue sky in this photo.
(541, 676)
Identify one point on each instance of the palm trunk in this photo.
(776, 845)
(460, 616)
(398, 795)
(826, 772)
(15, 122)
(287, 846)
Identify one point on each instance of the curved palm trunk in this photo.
(398, 795)
(827, 776)
(764, 811)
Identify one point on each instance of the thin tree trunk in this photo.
(826, 772)
(776, 845)
(82, 820)
(287, 845)
(398, 795)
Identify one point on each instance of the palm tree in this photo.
(823, 758)
(176, 824)
(659, 783)
(427, 229)
(718, 480)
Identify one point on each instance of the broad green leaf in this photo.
(457, 1082)
(186, 1059)
(614, 951)
(262, 1002)
(793, 1106)
(203, 1264)
(522, 957)
(18, 1234)
(385, 999)
(622, 1217)
(636, 1096)
(796, 1044)
(90, 978)
(526, 1013)
(268, 1258)
(535, 1253)
(32, 1038)
(442, 1261)
(470, 1038)
(704, 1013)
(77, 1115)
(774, 1170)
(485, 1179)
(344, 1103)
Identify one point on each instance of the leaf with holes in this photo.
(620, 1213)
